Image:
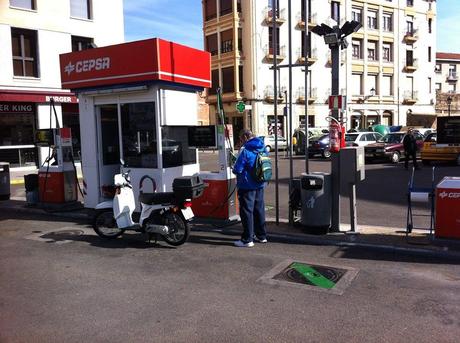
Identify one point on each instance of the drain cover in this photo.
(303, 274)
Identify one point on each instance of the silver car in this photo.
(361, 138)
(269, 142)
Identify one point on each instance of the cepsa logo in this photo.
(87, 65)
(451, 195)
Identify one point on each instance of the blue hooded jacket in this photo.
(245, 163)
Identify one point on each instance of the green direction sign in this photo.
(240, 106)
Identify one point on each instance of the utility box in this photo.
(316, 198)
(447, 205)
(352, 165)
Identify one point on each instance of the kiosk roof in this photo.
(140, 61)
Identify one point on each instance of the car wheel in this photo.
(327, 153)
(395, 157)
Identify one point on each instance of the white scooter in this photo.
(166, 214)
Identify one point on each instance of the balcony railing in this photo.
(279, 17)
(269, 53)
(411, 36)
(269, 95)
(312, 56)
(452, 77)
(410, 65)
(312, 20)
(226, 46)
(410, 97)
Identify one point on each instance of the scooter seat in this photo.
(156, 198)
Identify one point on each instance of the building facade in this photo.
(32, 35)
(387, 72)
(447, 97)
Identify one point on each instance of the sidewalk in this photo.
(368, 237)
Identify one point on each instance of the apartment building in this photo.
(387, 72)
(32, 35)
(447, 97)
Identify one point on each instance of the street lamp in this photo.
(335, 38)
(449, 102)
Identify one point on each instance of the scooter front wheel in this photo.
(179, 230)
(105, 225)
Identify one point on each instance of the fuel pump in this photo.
(57, 179)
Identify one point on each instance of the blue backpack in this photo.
(262, 170)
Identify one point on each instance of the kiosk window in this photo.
(109, 135)
(139, 136)
(176, 151)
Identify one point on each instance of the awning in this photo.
(8, 95)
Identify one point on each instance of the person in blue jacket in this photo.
(250, 191)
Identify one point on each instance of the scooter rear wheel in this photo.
(105, 225)
(179, 230)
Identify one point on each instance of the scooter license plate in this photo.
(187, 213)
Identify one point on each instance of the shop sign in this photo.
(17, 108)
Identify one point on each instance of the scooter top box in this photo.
(188, 187)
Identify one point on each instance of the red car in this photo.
(391, 147)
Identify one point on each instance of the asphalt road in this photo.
(62, 283)
(381, 197)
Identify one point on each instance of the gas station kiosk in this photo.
(138, 112)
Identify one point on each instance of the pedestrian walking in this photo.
(250, 191)
(410, 148)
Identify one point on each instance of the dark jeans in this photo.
(408, 156)
(252, 213)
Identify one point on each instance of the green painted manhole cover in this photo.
(333, 279)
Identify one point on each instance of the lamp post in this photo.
(335, 38)
(449, 102)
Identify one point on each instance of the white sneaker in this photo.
(260, 240)
(242, 244)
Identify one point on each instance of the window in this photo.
(357, 49)
(452, 88)
(371, 82)
(429, 54)
(335, 11)
(357, 84)
(24, 47)
(429, 85)
(357, 14)
(410, 3)
(270, 41)
(80, 9)
(81, 43)
(240, 40)
(308, 51)
(226, 38)
(437, 68)
(387, 85)
(226, 7)
(387, 22)
(409, 58)
(139, 135)
(210, 9)
(372, 51)
(372, 22)
(437, 87)
(174, 144)
(228, 80)
(110, 143)
(211, 44)
(430, 25)
(387, 52)
(410, 25)
(27, 4)
(241, 78)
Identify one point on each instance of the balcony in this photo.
(410, 65)
(269, 56)
(280, 17)
(312, 56)
(312, 95)
(410, 37)
(452, 77)
(410, 97)
(269, 95)
(312, 20)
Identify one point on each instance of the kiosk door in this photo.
(109, 143)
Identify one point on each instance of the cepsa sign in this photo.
(146, 60)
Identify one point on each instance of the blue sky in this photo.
(181, 21)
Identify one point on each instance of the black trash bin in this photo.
(5, 189)
(316, 201)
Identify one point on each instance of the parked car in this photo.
(269, 142)
(319, 145)
(424, 131)
(390, 147)
(439, 152)
(299, 137)
(362, 138)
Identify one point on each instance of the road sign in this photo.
(240, 106)
(337, 102)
